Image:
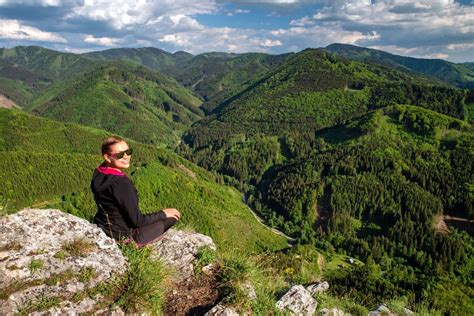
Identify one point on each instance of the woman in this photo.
(118, 213)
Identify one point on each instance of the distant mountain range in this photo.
(461, 75)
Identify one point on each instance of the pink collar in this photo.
(106, 170)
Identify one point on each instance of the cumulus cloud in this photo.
(270, 43)
(125, 13)
(101, 41)
(13, 29)
(414, 28)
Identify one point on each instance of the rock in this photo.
(50, 256)
(210, 269)
(221, 310)
(318, 288)
(249, 289)
(331, 312)
(297, 301)
(408, 312)
(382, 310)
(179, 248)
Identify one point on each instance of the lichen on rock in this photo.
(48, 257)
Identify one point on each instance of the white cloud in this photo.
(101, 41)
(304, 21)
(125, 13)
(41, 3)
(270, 43)
(13, 29)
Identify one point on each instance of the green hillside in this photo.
(125, 99)
(150, 57)
(311, 91)
(27, 71)
(324, 152)
(376, 189)
(461, 75)
(50, 164)
(46, 63)
(212, 76)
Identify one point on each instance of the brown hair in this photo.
(109, 142)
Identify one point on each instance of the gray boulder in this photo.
(318, 288)
(382, 310)
(332, 312)
(49, 259)
(297, 301)
(179, 248)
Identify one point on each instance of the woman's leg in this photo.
(148, 234)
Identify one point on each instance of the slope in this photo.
(373, 188)
(44, 160)
(256, 127)
(125, 99)
(461, 75)
(27, 70)
(212, 76)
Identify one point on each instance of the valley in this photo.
(341, 152)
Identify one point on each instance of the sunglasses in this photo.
(120, 155)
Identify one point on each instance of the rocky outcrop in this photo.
(54, 261)
(179, 248)
(297, 301)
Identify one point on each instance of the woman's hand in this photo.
(172, 213)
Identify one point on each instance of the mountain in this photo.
(354, 157)
(308, 92)
(46, 162)
(122, 98)
(150, 57)
(461, 75)
(27, 71)
(213, 76)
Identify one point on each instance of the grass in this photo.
(326, 300)
(204, 257)
(42, 304)
(78, 247)
(35, 266)
(143, 287)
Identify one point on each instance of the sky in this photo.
(423, 29)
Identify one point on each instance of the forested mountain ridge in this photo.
(325, 149)
(310, 91)
(150, 57)
(212, 76)
(119, 97)
(461, 75)
(26, 71)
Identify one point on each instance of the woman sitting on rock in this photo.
(118, 213)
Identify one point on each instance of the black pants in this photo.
(147, 234)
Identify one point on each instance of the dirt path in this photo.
(7, 103)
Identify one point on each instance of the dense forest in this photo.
(367, 159)
(359, 159)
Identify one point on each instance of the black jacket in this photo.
(118, 213)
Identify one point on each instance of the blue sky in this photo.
(426, 28)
